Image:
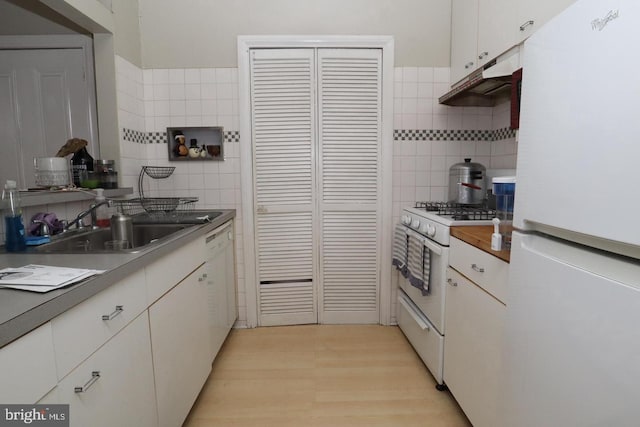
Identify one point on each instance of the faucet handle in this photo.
(44, 227)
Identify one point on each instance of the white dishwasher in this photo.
(221, 284)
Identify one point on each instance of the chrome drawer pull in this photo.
(525, 25)
(452, 283)
(119, 309)
(478, 269)
(95, 375)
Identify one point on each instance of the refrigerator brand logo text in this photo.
(600, 23)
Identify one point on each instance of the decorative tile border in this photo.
(134, 135)
(161, 137)
(398, 135)
(452, 135)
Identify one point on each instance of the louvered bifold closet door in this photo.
(283, 128)
(349, 121)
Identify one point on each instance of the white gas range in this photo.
(420, 312)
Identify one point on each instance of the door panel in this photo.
(316, 181)
(50, 100)
(349, 143)
(283, 135)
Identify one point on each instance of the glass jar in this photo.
(106, 173)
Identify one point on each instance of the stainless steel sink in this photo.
(95, 241)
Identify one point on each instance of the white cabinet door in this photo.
(181, 347)
(531, 15)
(464, 38)
(473, 348)
(79, 331)
(27, 367)
(122, 394)
(496, 32)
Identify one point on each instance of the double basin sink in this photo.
(145, 235)
(100, 240)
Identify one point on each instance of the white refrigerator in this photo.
(572, 333)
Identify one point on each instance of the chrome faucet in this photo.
(78, 220)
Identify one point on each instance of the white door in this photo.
(45, 99)
(283, 135)
(349, 126)
(316, 132)
(572, 336)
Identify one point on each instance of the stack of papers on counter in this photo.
(43, 278)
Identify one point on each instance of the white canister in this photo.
(51, 171)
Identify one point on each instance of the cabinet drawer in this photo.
(27, 367)
(80, 331)
(122, 393)
(487, 271)
(169, 270)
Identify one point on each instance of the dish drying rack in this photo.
(155, 205)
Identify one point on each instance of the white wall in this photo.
(184, 34)
(151, 100)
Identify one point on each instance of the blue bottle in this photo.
(13, 226)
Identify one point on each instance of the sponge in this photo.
(37, 240)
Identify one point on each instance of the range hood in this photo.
(486, 85)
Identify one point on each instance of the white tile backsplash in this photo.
(152, 100)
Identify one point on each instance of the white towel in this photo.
(400, 249)
(419, 262)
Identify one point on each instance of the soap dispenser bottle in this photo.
(13, 226)
(103, 214)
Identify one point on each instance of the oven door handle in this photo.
(433, 247)
(423, 325)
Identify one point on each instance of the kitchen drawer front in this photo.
(123, 392)
(486, 270)
(81, 330)
(169, 270)
(424, 338)
(27, 367)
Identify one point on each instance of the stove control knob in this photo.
(415, 224)
(424, 229)
(406, 219)
(431, 230)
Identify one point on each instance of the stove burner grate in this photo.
(457, 211)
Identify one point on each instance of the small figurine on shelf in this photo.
(203, 151)
(194, 150)
(180, 148)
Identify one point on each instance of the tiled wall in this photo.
(429, 138)
(152, 100)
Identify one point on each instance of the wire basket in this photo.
(156, 205)
(158, 172)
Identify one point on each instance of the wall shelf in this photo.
(49, 197)
(197, 143)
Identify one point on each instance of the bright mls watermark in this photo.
(34, 415)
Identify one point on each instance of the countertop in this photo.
(23, 311)
(480, 237)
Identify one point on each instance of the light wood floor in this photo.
(321, 375)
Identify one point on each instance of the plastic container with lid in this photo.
(12, 210)
(504, 188)
(105, 172)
